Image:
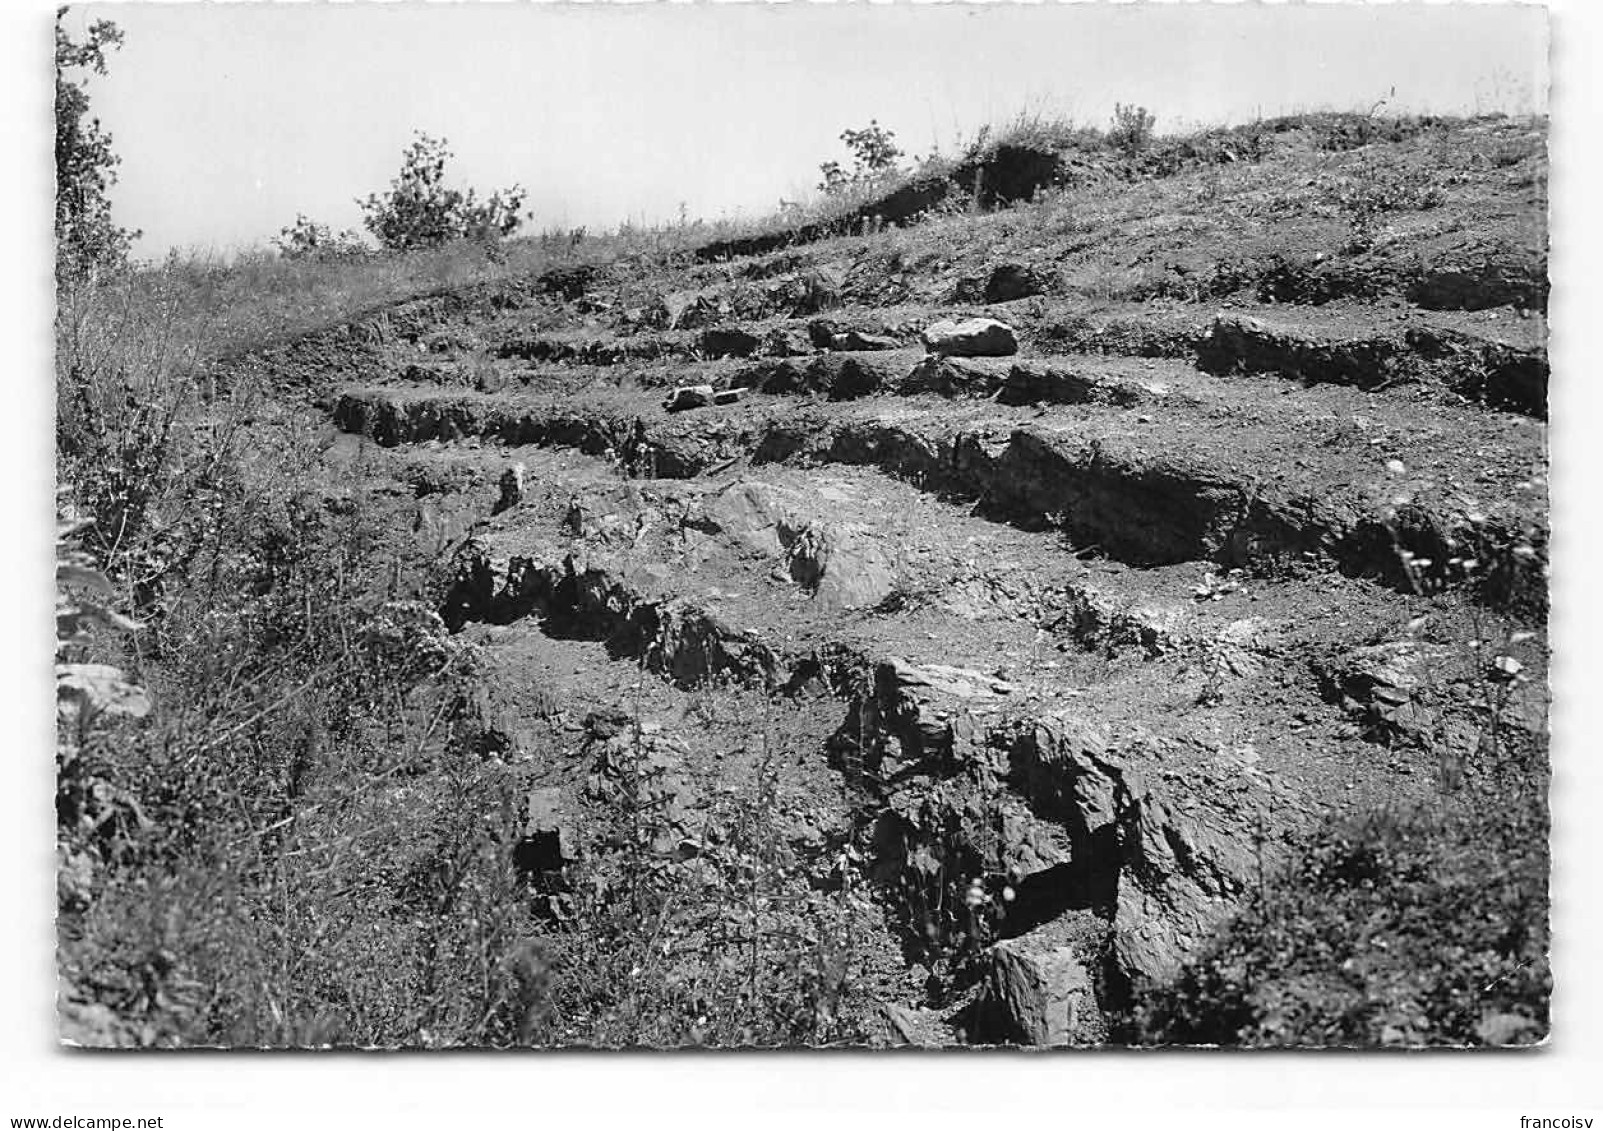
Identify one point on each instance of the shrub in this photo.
(1416, 926)
(726, 944)
(420, 211)
(1131, 131)
(1373, 191)
(1033, 129)
(281, 817)
(307, 239)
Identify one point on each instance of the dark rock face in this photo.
(568, 283)
(1497, 375)
(728, 341)
(956, 376)
(1476, 275)
(829, 334)
(1249, 345)
(1177, 870)
(1480, 276)
(821, 332)
(1194, 507)
(842, 567)
(839, 376)
(897, 207)
(1011, 281)
(597, 351)
(1008, 174)
(1035, 382)
(786, 343)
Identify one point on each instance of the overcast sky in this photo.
(231, 119)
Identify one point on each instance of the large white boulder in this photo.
(973, 337)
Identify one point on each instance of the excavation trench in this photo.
(1148, 509)
(1489, 372)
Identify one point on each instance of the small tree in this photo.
(1132, 129)
(420, 211)
(874, 156)
(86, 239)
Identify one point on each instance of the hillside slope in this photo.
(1099, 655)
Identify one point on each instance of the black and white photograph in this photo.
(891, 529)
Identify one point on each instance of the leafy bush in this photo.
(420, 211)
(307, 239)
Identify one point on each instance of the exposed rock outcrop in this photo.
(1040, 988)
